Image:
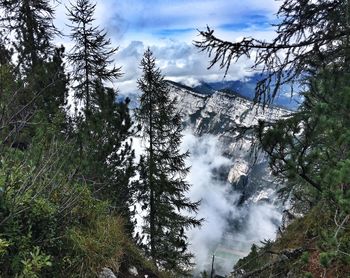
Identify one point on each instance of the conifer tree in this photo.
(91, 56)
(162, 173)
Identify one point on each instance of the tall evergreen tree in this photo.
(91, 55)
(162, 176)
(104, 147)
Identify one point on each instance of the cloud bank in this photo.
(128, 20)
(178, 61)
(219, 207)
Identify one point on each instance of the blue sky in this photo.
(169, 27)
(165, 18)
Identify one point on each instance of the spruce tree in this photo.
(162, 173)
(91, 56)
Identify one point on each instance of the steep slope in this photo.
(220, 114)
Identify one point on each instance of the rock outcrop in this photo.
(107, 273)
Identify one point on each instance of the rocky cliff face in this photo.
(220, 114)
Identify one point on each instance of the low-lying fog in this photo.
(229, 230)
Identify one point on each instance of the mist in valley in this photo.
(229, 228)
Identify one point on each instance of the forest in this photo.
(70, 182)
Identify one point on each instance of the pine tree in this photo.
(91, 55)
(162, 173)
(105, 151)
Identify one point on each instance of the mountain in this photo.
(224, 114)
(221, 111)
(246, 88)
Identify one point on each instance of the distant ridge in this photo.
(244, 89)
(192, 89)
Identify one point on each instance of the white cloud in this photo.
(219, 206)
(178, 61)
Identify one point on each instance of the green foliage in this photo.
(43, 206)
(310, 151)
(305, 257)
(308, 275)
(33, 265)
(4, 244)
(326, 259)
(255, 259)
(102, 245)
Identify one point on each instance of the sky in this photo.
(169, 28)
